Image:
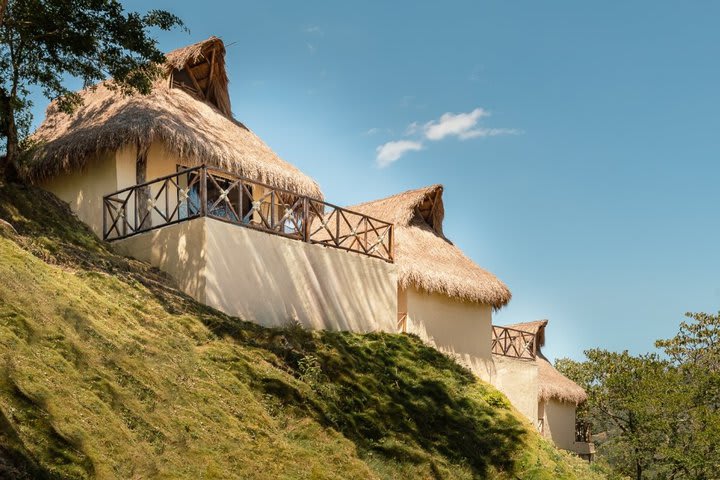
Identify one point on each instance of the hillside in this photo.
(109, 372)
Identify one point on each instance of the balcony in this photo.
(584, 446)
(511, 342)
(214, 193)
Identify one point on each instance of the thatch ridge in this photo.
(400, 208)
(536, 327)
(425, 258)
(180, 57)
(551, 383)
(195, 130)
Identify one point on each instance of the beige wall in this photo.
(83, 190)
(518, 380)
(175, 249)
(460, 329)
(125, 160)
(559, 423)
(271, 280)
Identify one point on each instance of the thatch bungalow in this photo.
(128, 139)
(557, 398)
(168, 177)
(443, 296)
(173, 179)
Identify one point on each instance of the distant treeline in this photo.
(656, 416)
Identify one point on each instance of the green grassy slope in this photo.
(108, 372)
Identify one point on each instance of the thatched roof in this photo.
(424, 257)
(188, 110)
(551, 383)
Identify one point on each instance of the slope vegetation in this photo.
(109, 372)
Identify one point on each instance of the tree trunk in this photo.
(7, 164)
(3, 8)
(142, 195)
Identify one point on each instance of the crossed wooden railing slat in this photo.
(511, 342)
(216, 193)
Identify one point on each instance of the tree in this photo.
(42, 42)
(626, 396)
(661, 415)
(693, 451)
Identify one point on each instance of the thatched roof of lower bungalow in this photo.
(188, 110)
(551, 383)
(425, 258)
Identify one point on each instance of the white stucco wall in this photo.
(271, 280)
(518, 380)
(559, 423)
(460, 329)
(177, 250)
(83, 190)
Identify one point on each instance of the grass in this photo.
(109, 372)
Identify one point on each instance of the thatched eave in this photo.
(426, 259)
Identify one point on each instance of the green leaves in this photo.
(42, 43)
(659, 414)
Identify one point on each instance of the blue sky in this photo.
(577, 141)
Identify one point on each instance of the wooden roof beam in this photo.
(195, 82)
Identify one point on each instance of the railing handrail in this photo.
(116, 205)
(282, 190)
(512, 329)
(154, 180)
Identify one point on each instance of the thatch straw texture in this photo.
(196, 131)
(207, 60)
(551, 383)
(424, 257)
(554, 385)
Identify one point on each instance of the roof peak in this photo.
(199, 69)
(411, 206)
(425, 258)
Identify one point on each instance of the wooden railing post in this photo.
(306, 219)
(203, 191)
(392, 242)
(105, 208)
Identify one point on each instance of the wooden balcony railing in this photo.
(209, 192)
(511, 342)
(583, 431)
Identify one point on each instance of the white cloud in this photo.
(372, 131)
(412, 129)
(311, 48)
(313, 29)
(390, 152)
(488, 132)
(461, 125)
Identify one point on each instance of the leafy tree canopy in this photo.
(42, 42)
(658, 414)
